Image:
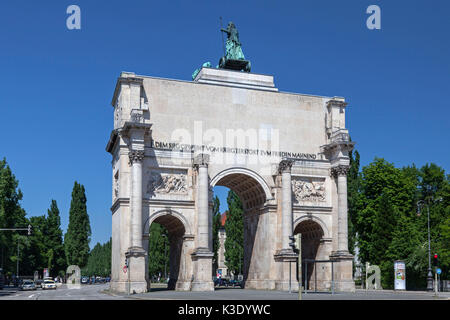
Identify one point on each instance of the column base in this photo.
(137, 282)
(343, 271)
(202, 259)
(260, 284)
(183, 286)
(287, 264)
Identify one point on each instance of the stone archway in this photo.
(253, 193)
(178, 230)
(315, 246)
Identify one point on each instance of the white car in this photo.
(48, 284)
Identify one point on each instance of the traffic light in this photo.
(29, 229)
(126, 262)
(292, 244)
(435, 260)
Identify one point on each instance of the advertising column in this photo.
(399, 275)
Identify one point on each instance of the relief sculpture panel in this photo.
(308, 189)
(166, 183)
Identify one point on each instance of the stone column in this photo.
(286, 203)
(202, 255)
(136, 159)
(137, 282)
(286, 257)
(202, 206)
(344, 260)
(340, 172)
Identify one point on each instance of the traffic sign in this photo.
(125, 269)
(438, 271)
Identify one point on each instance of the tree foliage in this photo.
(77, 238)
(12, 215)
(234, 228)
(99, 261)
(386, 222)
(158, 250)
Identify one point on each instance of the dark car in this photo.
(38, 283)
(219, 282)
(236, 283)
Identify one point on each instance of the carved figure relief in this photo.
(116, 184)
(166, 183)
(306, 189)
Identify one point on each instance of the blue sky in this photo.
(57, 84)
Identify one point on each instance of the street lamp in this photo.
(420, 204)
(165, 256)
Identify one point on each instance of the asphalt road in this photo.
(86, 292)
(100, 292)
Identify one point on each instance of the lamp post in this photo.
(430, 273)
(165, 256)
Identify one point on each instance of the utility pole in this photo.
(420, 204)
(298, 244)
(17, 268)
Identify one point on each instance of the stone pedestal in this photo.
(343, 271)
(137, 283)
(287, 261)
(202, 281)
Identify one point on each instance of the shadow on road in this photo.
(7, 291)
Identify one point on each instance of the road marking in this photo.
(31, 296)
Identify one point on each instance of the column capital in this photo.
(136, 156)
(340, 170)
(285, 166)
(200, 160)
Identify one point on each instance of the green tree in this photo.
(99, 261)
(36, 252)
(216, 226)
(234, 228)
(434, 190)
(159, 250)
(77, 237)
(386, 194)
(12, 215)
(54, 240)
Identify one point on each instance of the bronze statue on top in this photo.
(234, 58)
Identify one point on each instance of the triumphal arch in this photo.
(284, 154)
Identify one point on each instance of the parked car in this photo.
(38, 283)
(28, 285)
(85, 280)
(99, 280)
(236, 283)
(219, 282)
(48, 284)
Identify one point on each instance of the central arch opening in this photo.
(166, 233)
(315, 271)
(253, 196)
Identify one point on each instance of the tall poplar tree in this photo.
(77, 238)
(54, 240)
(234, 228)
